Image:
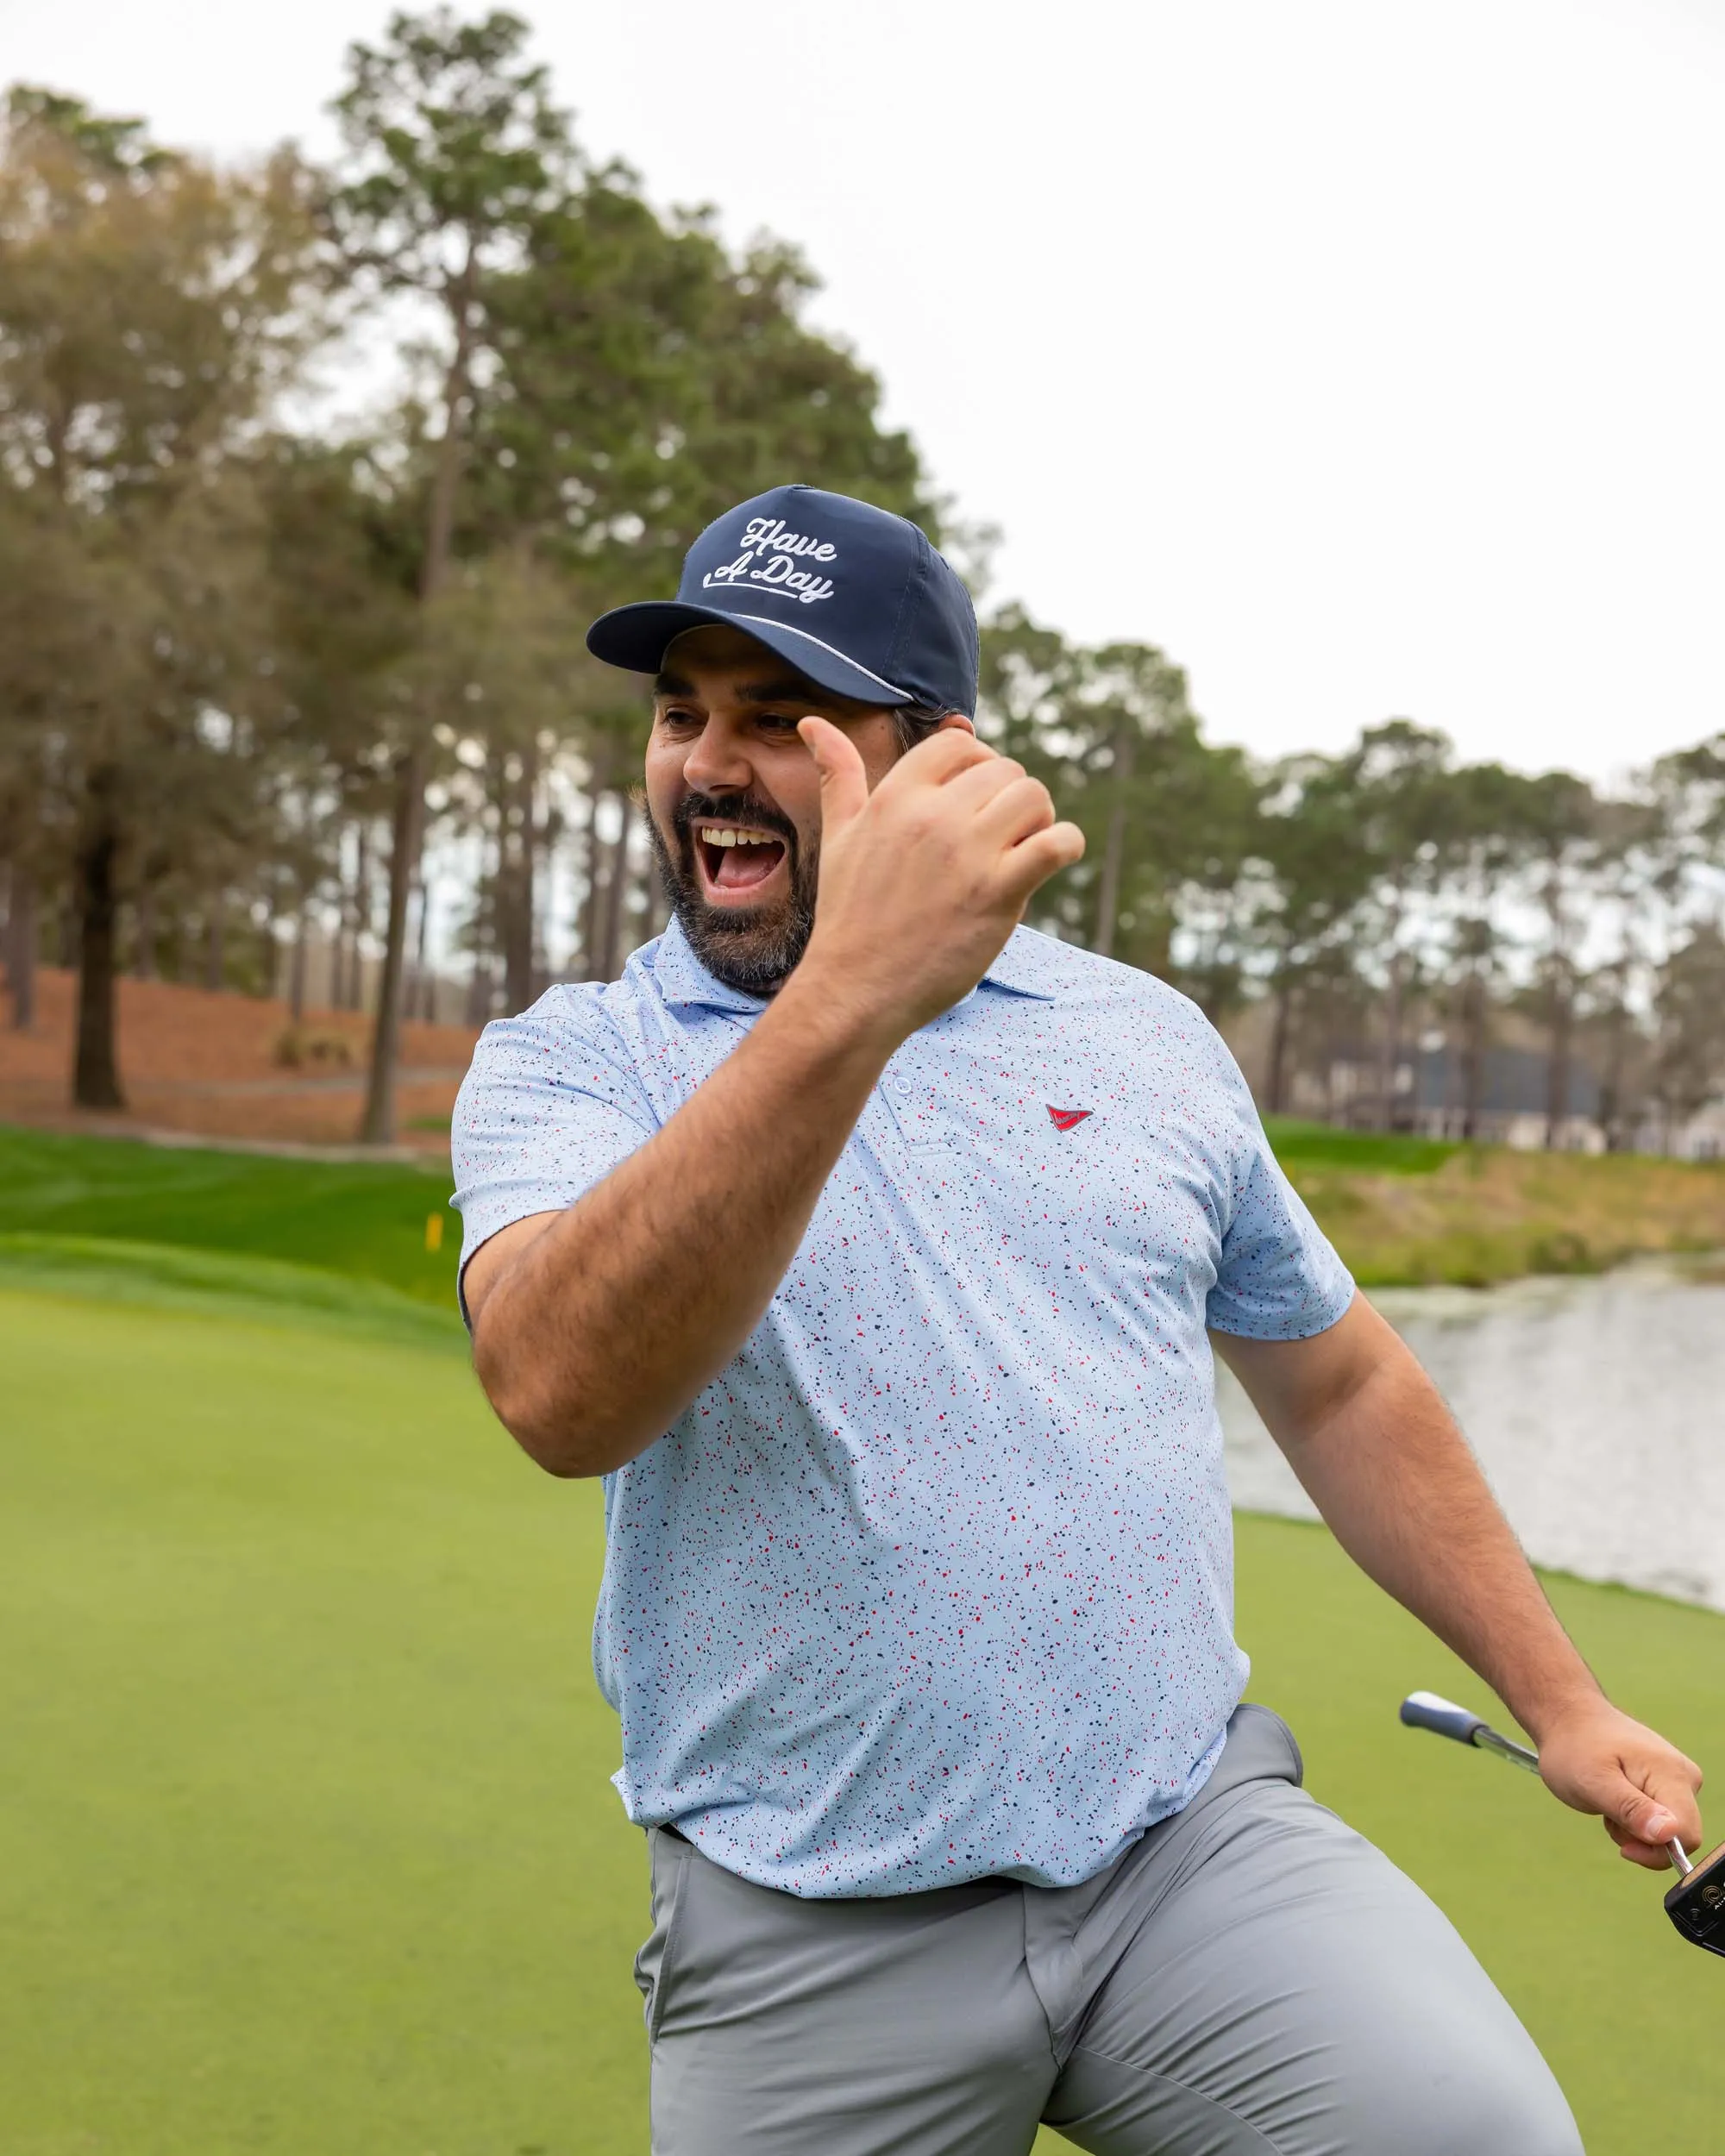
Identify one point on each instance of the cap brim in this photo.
(638, 636)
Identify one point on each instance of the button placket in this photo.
(914, 1111)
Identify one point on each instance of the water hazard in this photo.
(1597, 1406)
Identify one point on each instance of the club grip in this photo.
(1425, 1710)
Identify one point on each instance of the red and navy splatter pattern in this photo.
(936, 1579)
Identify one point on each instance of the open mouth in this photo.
(736, 858)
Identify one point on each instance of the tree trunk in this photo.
(1558, 1061)
(344, 956)
(541, 886)
(1613, 1107)
(420, 1003)
(144, 930)
(295, 970)
(216, 949)
(617, 886)
(360, 917)
(377, 1126)
(95, 1075)
(411, 941)
(583, 963)
(519, 846)
(1473, 1055)
(1114, 846)
(408, 820)
(269, 947)
(1389, 1049)
(484, 938)
(658, 906)
(1276, 1080)
(21, 931)
(1156, 942)
(341, 935)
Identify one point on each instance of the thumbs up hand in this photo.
(923, 881)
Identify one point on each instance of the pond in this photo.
(1597, 1406)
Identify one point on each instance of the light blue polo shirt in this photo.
(936, 1578)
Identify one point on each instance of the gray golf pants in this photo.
(1250, 1977)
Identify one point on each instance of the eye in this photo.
(778, 722)
(679, 716)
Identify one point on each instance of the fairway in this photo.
(307, 1843)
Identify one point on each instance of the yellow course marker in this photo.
(434, 1231)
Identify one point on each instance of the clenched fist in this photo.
(923, 881)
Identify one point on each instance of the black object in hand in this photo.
(1697, 1903)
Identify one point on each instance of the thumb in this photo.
(1640, 1813)
(844, 782)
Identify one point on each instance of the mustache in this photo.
(737, 946)
(732, 808)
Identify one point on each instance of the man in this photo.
(871, 1246)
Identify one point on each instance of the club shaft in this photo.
(1507, 1748)
(1518, 1755)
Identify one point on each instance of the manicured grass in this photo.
(223, 1283)
(1381, 1152)
(307, 1846)
(364, 1219)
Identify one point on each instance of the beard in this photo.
(752, 949)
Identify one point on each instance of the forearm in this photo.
(1366, 1432)
(603, 1328)
(1394, 1478)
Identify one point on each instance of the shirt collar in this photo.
(685, 985)
(1029, 965)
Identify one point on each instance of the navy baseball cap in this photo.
(854, 597)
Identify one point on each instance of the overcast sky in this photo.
(1368, 357)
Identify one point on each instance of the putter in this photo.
(1696, 1905)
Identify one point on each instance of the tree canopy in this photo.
(270, 679)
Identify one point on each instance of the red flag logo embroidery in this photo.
(1063, 1119)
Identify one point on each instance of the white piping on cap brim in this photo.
(786, 629)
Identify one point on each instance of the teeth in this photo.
(728, 835)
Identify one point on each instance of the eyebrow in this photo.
(789, 688)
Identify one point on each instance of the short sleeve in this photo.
(549, 1108)
(1280, 1277)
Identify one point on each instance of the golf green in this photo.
(306, 1844)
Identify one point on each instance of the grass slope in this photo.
(225, 1283)
(1399, 1209)
(1301, 1146)
(363, 1219)
(1404, 1211)
(307, 1845)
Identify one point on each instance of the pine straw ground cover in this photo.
(229, 1066)
(307, 1845)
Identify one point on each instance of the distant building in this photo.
(1429, 1092)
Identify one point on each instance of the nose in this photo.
(718, 761)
